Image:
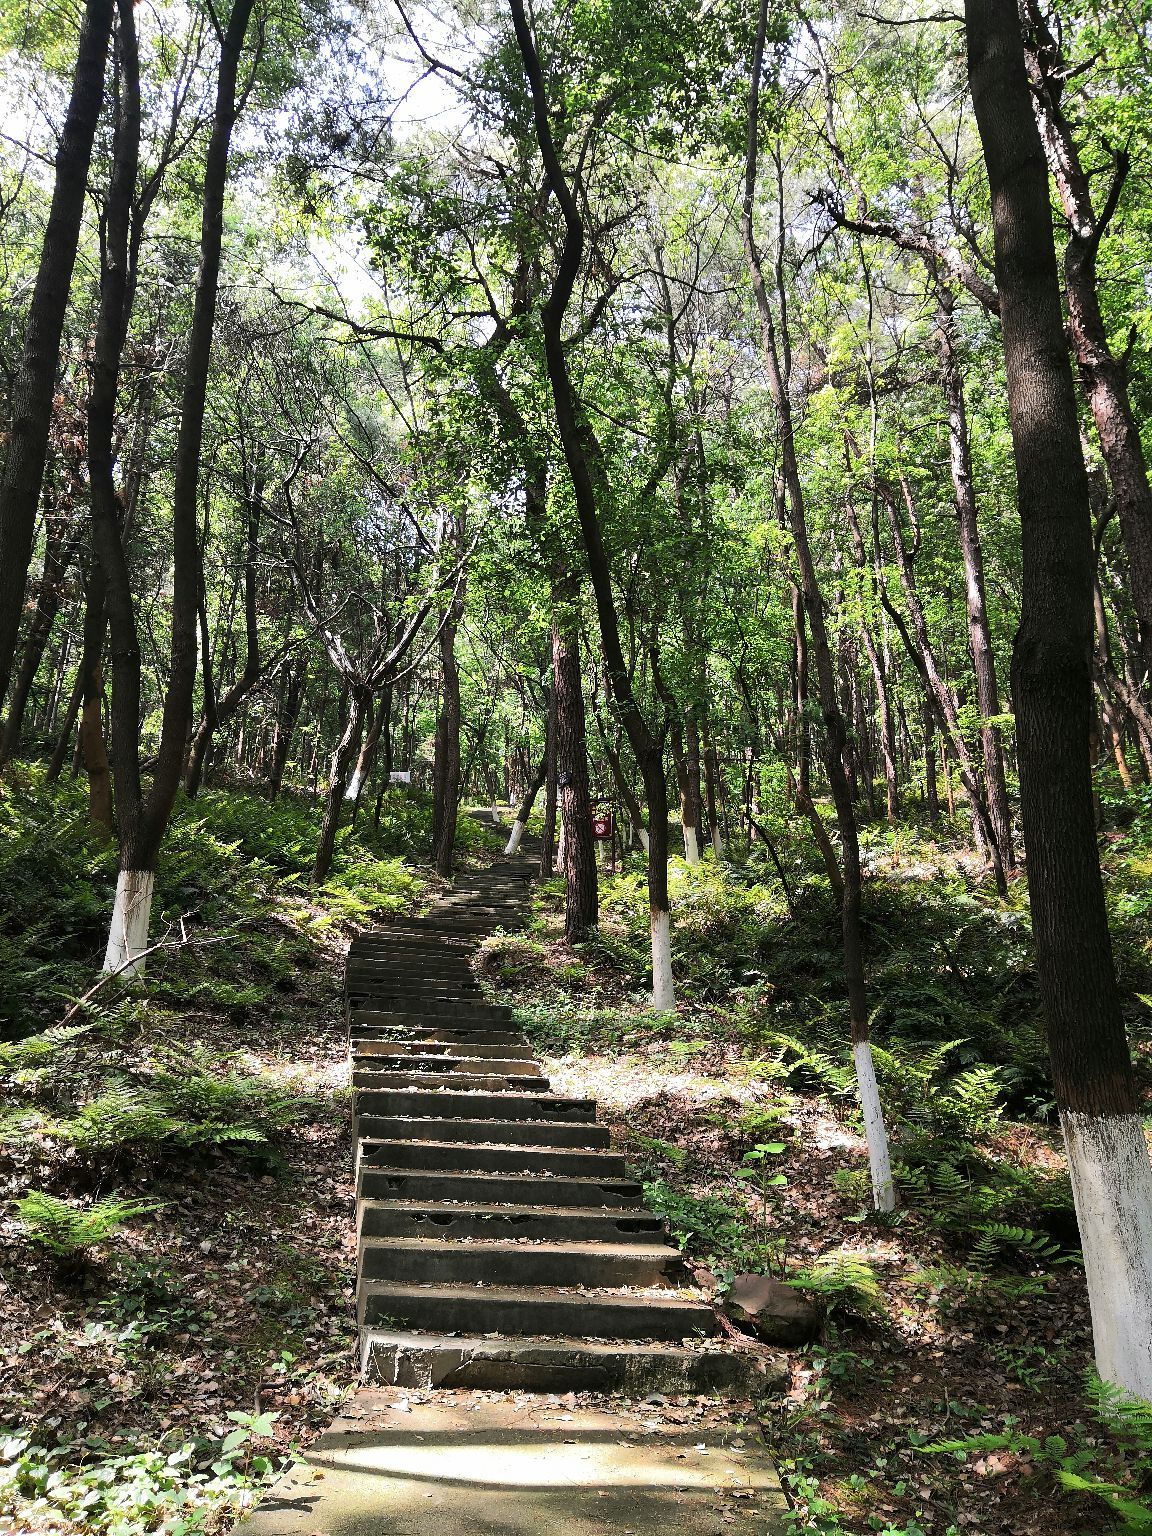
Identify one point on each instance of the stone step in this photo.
(424, 1101)
(480, 1016)
(552, 1223)
(424, 1061)
(470, 1081)
(437, 1047)
(425, 1360)
(495, 1188)
(420, 1010)
(537, 1133)
(491, 1157)
(500, 1262)
(535, 1310)
(431, 1034)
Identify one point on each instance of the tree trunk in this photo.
(342, 760)
(979, 631)
(1052, 688)
(142, 824)
(446, 770)
(835, 742)
(34, 383)
(218, 711)
(581, 907)
(524, 810)
(939, 694)
(548, 845)
(291, 698)
(585, 467)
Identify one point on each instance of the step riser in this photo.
(528, 1266)
(481, 1083)
(424, 1061)
(472, 1106)
(416, 1011)
(420, 1050)
(460, 1157)
(490, 1016)
(587, 1138)
(381, 1220)
(495, 1189)
(490, 1039)
(606, 1318)
(536, 1366)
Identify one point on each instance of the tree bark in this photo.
(582, 905)
(34, 384)
(1052, 688)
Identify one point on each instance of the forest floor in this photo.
(176, 1303)
(960, 1321)
(159, 1366)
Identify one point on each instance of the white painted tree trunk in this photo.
(717, 843)
(663, 986)
(355, 784)
(1111, 1175)
(691, 845)
(875, 1131)
(496, 819)
(514, 839)
(131, 911)
(642, 832)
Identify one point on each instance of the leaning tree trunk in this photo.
(835, 739)
(582, 905)
(524, 809)
(34, 384)
(1052, 686)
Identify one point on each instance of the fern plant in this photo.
(843, 1281)
(68, 1231)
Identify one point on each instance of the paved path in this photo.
(503, 1245)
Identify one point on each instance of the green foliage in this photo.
(68, 1231)
(843, 1281)
(1077, 1466)
(176, 1487)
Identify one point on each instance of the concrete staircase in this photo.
(501, 1243)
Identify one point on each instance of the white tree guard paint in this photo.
(131, 911)
(496, 818)
(875, 1131)
(691, 845)
(1111, 1177)
(663, 986)
(514, 839)
(355, 784)
(643, 835)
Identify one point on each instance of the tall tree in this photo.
(1052, 682)
(35, 380)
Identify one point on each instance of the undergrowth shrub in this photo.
(66, 1231)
